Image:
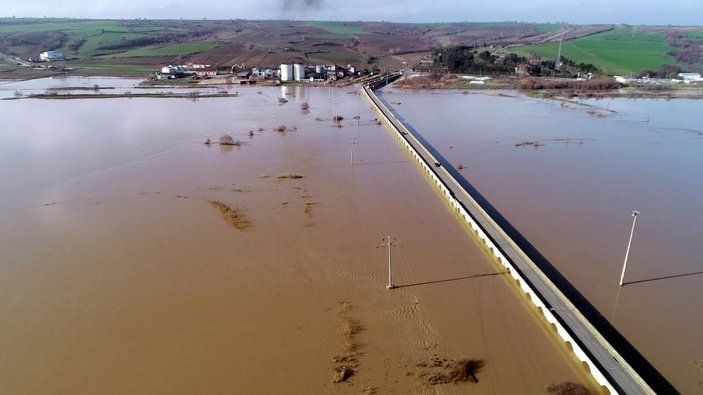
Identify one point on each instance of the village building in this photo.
(206, 72)
(690, 77)
(50, 56)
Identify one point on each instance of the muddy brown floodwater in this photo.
(134, 258)
(570, 190)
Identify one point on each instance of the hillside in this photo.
(141, 46)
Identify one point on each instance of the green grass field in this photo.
(618, 51)
(339, 28)
(95, 33)
(546, 27)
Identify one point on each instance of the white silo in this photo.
(298, 72)
(287, 72)
(318, 69)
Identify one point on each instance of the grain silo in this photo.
(287, 72)
(298, 72)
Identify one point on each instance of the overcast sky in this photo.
(651, 12)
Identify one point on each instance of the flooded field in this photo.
(567, 176)
(70, 85)
(135, 258)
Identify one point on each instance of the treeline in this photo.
(464, 59)
(125, 43)
(602, 83)
(28, 44)
(687, 51)
(665, 71)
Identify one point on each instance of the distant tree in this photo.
(587, 67)
(487, 57)
(535, 70)
(668, 71)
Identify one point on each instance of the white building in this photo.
(690, 77)
(206, 72)
(50, 56)
(172, 70)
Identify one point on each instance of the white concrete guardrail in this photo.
(601, 359)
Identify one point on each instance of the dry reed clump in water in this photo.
(534, 144)
(228, 140)
(289, 176)
(458, 371)
(281, 129)
(305, 106)
(348, 330)
(232, 215)
(346, 360)
(342, 373)
(568, 388)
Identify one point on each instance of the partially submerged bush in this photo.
(464, 370)
(342, 373)
(232, 215)
(226, 140)
(568, 388)
(289, 176)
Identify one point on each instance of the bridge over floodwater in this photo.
(612, 361)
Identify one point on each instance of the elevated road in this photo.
(608, 367)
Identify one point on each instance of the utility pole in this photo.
(559, 53)
(388, 242)
(635, 213)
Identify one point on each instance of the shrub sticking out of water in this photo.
(342, 373)
(533, 144)
(346, 360)
(305, 106)
(281, 129)
(338, 118)
(464, 370)
(228, 140)
(231, 215)
(568, 388)
(348, 329)
(453, 371)
(289, 176)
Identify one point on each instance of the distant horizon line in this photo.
(334, 20)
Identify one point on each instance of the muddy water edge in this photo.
(134, 257)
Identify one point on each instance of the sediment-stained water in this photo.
(123, 268)
(568, 175)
